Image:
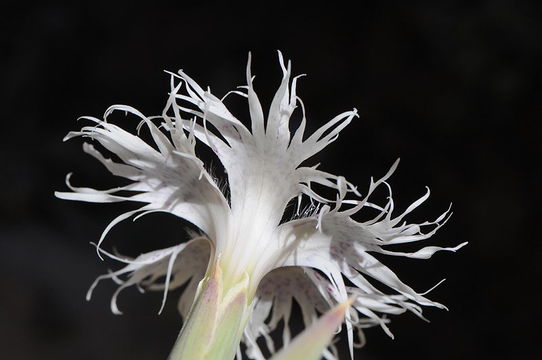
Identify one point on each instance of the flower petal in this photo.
(179, 264)
(262, 166)
(273, 305)
(171, 179)
(335, 244)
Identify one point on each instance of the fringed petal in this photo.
(273, 306)
(335, 244)
(171, 179)
(264, 162)
(177, 264)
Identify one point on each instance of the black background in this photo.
(448, 86)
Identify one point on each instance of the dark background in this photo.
(448, 86)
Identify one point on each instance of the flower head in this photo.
(305, 259)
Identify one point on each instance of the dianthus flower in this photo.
(246, 265)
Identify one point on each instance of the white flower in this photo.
(305, 259)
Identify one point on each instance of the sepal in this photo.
(216, 321)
